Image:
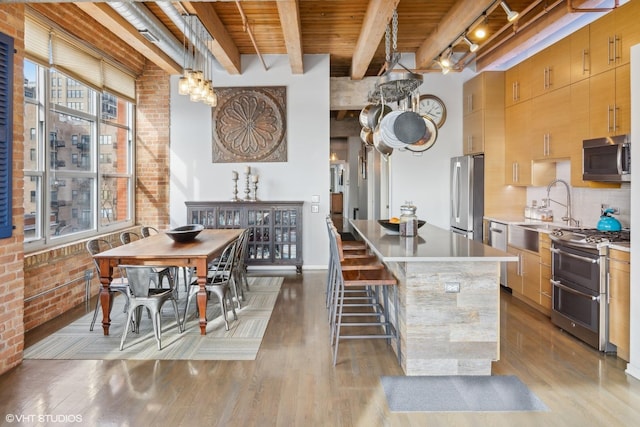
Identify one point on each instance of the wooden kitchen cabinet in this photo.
(579, 122)
(517, 136)
(580, 57)
(517, 83)
(544, 250)
(619, 300)
(483, 103)
(551, 130)
(610, 103)
(523, 277)
(551, 68)
(612, 36)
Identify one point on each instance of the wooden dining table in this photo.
(160, 250)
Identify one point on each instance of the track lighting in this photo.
(472, 46)
(481, 30)
(511, 15)
(445, 59)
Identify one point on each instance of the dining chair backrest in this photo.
(128, 237)
(139, 283)
(95, 246)
(147, 231)
(226, 261)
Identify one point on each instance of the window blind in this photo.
(53, 47)
(6, 135)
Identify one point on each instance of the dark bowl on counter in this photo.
(185, 233)
(394, 226)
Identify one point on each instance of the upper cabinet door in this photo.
(580, 55)
(551, 68)
(612, 36)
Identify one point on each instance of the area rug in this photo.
(240, 342)
(459, 394)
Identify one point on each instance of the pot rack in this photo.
(394, 85)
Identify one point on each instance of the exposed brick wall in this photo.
(152, 148)
(37, 287)
(11, 251)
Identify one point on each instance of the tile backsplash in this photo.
(585, 202)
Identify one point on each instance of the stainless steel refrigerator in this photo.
(467, 196)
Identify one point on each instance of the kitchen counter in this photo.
(448, 298)
(432, 244)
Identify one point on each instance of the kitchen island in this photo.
(448, 298)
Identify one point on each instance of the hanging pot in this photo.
(387, 130)
(371, 115)
(428, 139)
(366, 135)
(409, 127)
(379, 144)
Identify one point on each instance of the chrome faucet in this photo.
(567, 216)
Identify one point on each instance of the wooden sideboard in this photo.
(276, 227)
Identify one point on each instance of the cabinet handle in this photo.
(515, 175)
(616, 49)
(520, 265)
(615, 117)
(609, 118)
(470, 103)
(585, 52)
(517, 91)
(469, 142)
(609, 44)
(513, 91)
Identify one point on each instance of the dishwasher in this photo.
(498, 240)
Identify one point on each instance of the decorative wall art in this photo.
(249, 125)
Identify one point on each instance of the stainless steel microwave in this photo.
(607, 159)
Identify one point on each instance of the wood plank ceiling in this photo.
(352, 32)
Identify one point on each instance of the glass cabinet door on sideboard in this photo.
(275, 236)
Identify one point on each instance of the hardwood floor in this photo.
(293, 383)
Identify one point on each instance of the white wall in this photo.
(306, 172)
(633, 368)
(425, 179)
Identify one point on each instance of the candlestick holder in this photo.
(247, 190)
(255, 191)
(235, 189)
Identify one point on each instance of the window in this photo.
(83, 188)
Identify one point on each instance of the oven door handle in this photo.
(581, 258)
(573, 291)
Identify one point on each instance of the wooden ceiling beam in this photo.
(122, 29)
(378, 14)
(289, 12)
(456, 21)
(223, 46)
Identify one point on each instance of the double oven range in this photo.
(580, 285)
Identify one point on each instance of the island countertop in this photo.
(432, 244)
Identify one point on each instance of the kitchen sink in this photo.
(546, 226)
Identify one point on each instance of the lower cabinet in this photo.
(619, 300)
(530, 277)
(523, 276)
(275, 236)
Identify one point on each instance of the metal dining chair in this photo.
(119, 284)
(127, 237)
(219, 281)
(146, 231)
(142, 295)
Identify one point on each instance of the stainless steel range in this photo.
(580, 285)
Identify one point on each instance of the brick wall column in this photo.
(152, 147)
(11, 249)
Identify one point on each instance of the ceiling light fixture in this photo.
(445, 58)
(472, 46)
(481, 30)
(511, 14)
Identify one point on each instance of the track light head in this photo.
(472, 46)
(511, 14)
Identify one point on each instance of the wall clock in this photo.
(434, 108)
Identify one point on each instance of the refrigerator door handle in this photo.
(455, 199)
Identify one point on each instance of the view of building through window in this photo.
(78, 157)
